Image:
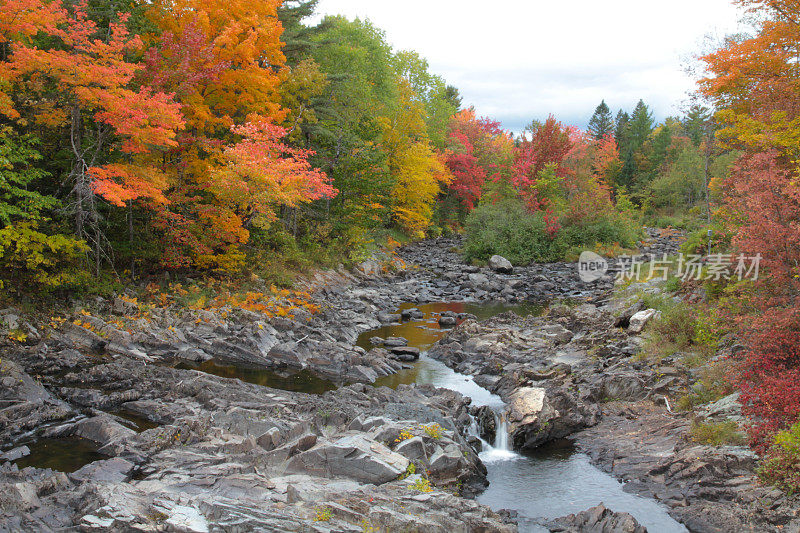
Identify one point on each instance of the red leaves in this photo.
(755, 82)
(767, 195)
(770, 371)
(549, 144)
(479, 149)
(183, 64)
(468, 175)
(120, 184)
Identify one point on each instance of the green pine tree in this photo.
(695, 123)
(297, 36)
(601, 123)
(621, 128)
(640, 126)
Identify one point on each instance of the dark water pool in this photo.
(136, 421)
(63, 454)
(303, 381)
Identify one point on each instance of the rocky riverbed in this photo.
(169, 447)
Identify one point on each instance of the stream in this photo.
(555, 481)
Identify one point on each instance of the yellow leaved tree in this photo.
(418, 170)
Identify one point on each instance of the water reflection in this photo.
(64, 455)
(424, 333)
(303, 381)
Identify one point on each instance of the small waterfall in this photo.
(501, 450)
(501, 436)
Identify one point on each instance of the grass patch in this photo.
(694, 331)
(714, 383)
(717, 433)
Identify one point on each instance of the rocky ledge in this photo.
(220, 454)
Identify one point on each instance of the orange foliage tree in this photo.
(223, 60)
(84, 84)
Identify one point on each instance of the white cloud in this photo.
(518, 60)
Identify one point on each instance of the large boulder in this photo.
(353, 457)
(501, 264)
(537, 416)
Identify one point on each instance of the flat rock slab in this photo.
(354, 457)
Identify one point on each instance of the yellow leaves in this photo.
(17, 335)
(419, 175)
(223, 296)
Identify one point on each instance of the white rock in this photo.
(501, 264)
(640, 320)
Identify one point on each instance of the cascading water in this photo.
(500, 450)
(516, 480)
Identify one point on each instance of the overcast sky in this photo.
(516, 60)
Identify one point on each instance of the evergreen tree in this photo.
(453, 96)
(297, 35)
(641, 126)
(621, 128)
(601, 123)
(695, 123)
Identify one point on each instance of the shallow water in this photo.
(138, 422)
(553, 482)
(64, 454)
(303, 381)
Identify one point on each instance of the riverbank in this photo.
(188, 450)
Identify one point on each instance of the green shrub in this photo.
(781, 467)
(673, 284)
(717, 433)
(508, 229)
(714, 383)
(676, 325)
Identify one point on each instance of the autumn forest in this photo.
(229, 140)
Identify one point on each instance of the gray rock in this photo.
(556, 333)
(16, 453)
(598, 520)
(537, 415)
(447, 321)
(353, 457)
(101, 429)
(389, 318)
(369, 268)
(110, 471)
(413, 449)
(393, 342)
(478, 281)
(406, 353)
(500, 264)
(728, 407)
(626, 386)
(10, 321)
